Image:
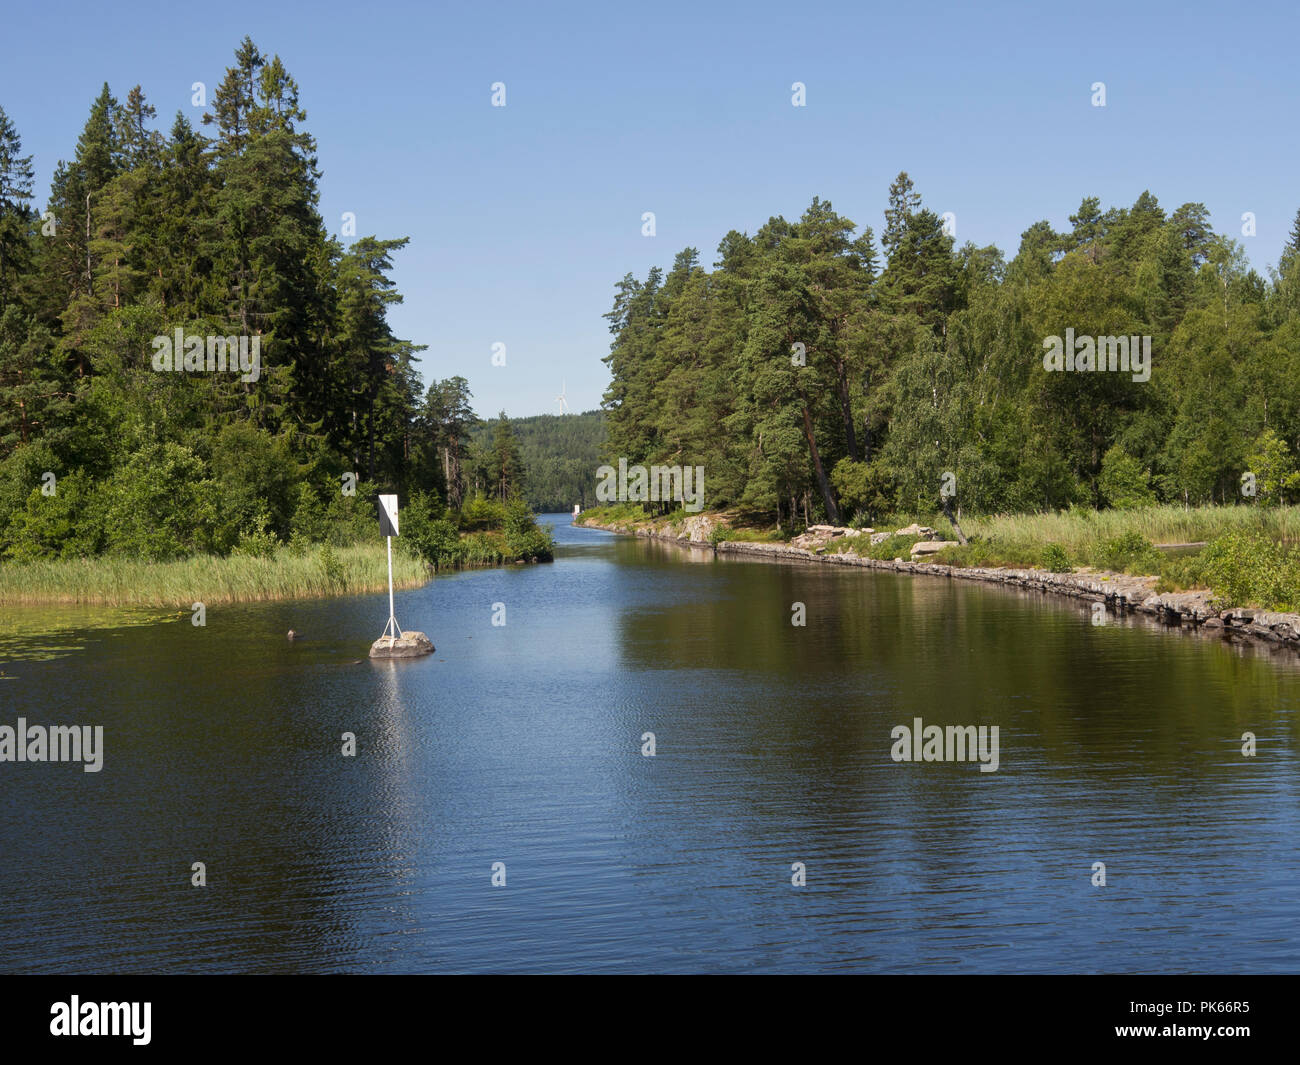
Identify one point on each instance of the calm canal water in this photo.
(522, 743)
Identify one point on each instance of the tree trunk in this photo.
(846, 410)
(832, 510)
(947, 513)
(370, 438)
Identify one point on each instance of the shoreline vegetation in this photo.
(1235, 570)
(195, 426)
(483, 534)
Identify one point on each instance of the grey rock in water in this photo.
(410, 644)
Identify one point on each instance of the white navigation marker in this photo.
(388, 528)
(393, 642)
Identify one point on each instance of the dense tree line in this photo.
(560, 453)
(205, 231)
(813, 375)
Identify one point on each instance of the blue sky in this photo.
(522, 218)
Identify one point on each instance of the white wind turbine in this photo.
(564, 403)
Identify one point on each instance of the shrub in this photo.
(68, 524)
(253, 479)
(309, 522)
(331, 565)
(1244, 569)
(1274, 469)
(256, 539)
(482, 549)
(480, 513)
(298, 545)
(1182, 571)
(162, 504)
(889, 548)
(1130, 552)
(1123, 481)
(352, 519)
(524, 540)
(1055, 560)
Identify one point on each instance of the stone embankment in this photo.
(1121, 593)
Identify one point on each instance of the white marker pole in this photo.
(388, 526)
(392, 617)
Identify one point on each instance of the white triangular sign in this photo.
(388, 515)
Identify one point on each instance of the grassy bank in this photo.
(484, 534)
(1077, 530)
(1246, 556)
(208, 579)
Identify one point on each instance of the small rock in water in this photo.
(410, 644)
(292, 635)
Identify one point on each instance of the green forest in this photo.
(559, 452)
(191, 364)
(816, 375)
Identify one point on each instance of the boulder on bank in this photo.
(819, 535)
(698, 528)
(929, 547)
(410, 644)
(916, 530)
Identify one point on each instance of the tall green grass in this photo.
(284, 574)
(1077, 530)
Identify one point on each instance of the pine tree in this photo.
(903, 201)
(15, 192)
(445, 425)
(505, 467)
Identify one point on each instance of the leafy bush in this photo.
(1055, 560)
(1274, 467)
(427, 534)
(309, 522)
(1244, 569)
(68, 524)
(352, 519)
(480, 513)
(298, 545)
(331, 565)
(1182, 571)
(256, 539)
(889, 548)
(253, 474)
(162, 504)
(1123, 481)
(524, 540)
(1130, 552)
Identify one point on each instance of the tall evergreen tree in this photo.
(15, 193)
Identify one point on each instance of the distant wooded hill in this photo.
(560, 455)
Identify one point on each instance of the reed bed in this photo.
(285, 574)
(1077, 530)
